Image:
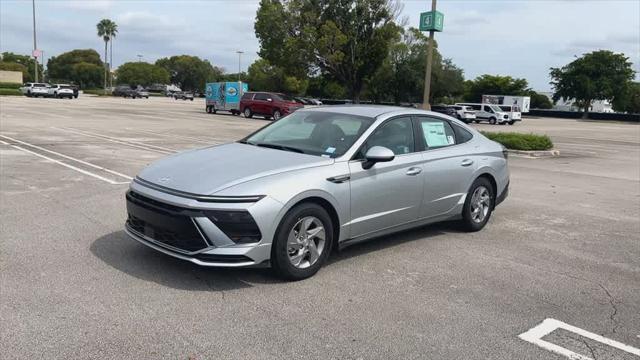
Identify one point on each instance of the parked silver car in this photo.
(318, 179)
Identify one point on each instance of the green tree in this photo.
(599, 75)
(347, 40)
(142, 73)
(264, 76)
(107, 29)
(86, 75)
(401, 76)
(539, 101)
(494, 85)
(190, 72)
(24, 60)
(629, 102)
(61, 68)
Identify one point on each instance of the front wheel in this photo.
(492, 121)
(302, 242)
(277, 115)
(247, 112)
(477, 121)
(478, 205)
(511, 122)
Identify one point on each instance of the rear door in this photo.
(260, 103)
(389, 193)
(449, 164)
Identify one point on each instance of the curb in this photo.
(535, 153)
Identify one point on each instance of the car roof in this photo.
(361, 110)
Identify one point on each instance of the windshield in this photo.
(312, 132)
(495, 108)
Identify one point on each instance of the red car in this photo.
(268, 105)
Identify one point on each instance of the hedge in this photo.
(10, 91)
(99, 92)
(519, 141)
(6, 85)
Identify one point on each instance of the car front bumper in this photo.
(178, 227)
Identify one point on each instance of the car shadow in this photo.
(132, 258)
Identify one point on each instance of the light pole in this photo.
(239, 57)
(427, 75)
(35, 57)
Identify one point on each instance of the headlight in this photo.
(238, 225)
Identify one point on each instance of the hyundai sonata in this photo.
(316, 180)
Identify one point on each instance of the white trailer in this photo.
(522, 102)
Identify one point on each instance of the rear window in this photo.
(39, 85)
(283, 97)
(247, 96)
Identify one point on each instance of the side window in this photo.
(261, 96)
(396, 135)
(437, 133)
(476, 107)
(462, 135)
(487, 108)
(247, 96)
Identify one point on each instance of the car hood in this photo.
(208, 170)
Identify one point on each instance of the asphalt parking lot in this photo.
(565, 245)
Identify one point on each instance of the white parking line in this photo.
(545, 328)
(68, 157)
(66, 165)
(135, 144)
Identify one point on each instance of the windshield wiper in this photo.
(279, 147)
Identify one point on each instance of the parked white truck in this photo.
(523, 103)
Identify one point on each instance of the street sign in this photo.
(36, 53)
(431, 21)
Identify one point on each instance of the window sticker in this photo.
(434, 134)
(450, 139)
(330, 150)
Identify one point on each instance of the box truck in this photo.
(225, 96)
(522, 102)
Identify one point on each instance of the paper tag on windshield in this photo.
(330, 150)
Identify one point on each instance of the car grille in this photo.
(166, 224)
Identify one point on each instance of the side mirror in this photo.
(377, 154)
(269, 99)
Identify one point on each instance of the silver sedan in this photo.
(317, 180)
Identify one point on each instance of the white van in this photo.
(514, 113)
(488, 112)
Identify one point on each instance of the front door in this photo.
(389, 193)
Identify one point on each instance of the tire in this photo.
(477, 121)
(480, 196)
(247, 112)
(492, 121)
(208, 109)
(191, 99)
(511, 122)
(294, 259)
(277, 115)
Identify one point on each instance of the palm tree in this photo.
(106, 29)
(112, 34)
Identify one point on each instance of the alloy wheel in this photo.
(306, 242)
(480, 204)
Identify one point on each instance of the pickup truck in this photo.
(35, 89)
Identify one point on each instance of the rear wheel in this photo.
(208, 109)
(247, 112)
(478, 205)
(477, 121)
(492, 121)
(277, 115)
(303, 242)
(511, 122)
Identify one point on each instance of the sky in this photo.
(520, 38)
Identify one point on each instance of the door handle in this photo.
(466, 162)
(414, 171)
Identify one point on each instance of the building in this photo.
(599, 106)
